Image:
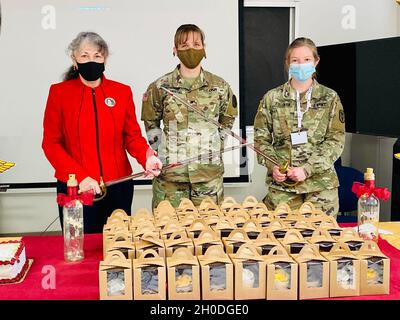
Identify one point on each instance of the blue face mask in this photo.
(301, 72)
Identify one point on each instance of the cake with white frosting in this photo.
(13, 262)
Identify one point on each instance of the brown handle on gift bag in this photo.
(179, 235)
(186, 203)
(349, 233)
(212, 209)
(207, 236)
(278, 251)
(118, 227)
(115, 259)
(369, 247)
(215, 253)
(249, 201)
(306, 207)
(248, 251)
(309, 252)
(142, 212)
(198, 224)
(119, 235)
(238, 234)
(251, 225)
(182, 256)
(206, 202)
(319, 234)
(228, 201)
(149, 252)
(119, 213)
(152, 237)
(293, 235)
(340, 249)
(235, 209)
(266, 235)
(283, 207)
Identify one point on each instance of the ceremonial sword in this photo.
(205, 156)
(283, 168)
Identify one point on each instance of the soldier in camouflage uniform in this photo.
(186, 134)
(312, 160)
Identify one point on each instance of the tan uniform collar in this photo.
(178, 82)
(290, 93)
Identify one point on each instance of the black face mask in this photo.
(91, 71)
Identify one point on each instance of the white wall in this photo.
(319, 20)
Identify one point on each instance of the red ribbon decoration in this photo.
(369, 188)
(85, 198)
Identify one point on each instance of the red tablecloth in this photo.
(80, 281)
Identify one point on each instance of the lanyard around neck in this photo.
(298, 105)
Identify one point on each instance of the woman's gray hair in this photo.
(90, 37)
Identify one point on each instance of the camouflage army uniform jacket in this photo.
(186, 134)
(276, 118)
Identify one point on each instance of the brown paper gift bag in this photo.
(236, 239)
(196, 228)
(211, 216)
(188, 219)
(123, 243)
(216, 274)
(185, 207)
(150, 240)
(170, 228)
(252, 228)
(115, 277)
(183, 276)
(119, 213)
(110, 231)
(249, 203)
(282, 210)
(205, 203)
(293, 241)
(178, 240)
(164, 207)
(237, 214)
(278, 228)
(227, 204)
(206, 239)
(143, 228)
(141, 215)
(224, 227)
(351, 238)
(265, 242)
(344, 268)
(313, 273)
(163, 219)
(281, 275)
(149, 276)
(374, 269)
(330, 224)
(305, 227)
(250, 273)
(114, 235)
(260, 210)
(322, 239)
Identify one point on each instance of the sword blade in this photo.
(220, 126)
(204, 156)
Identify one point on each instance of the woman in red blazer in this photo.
(89, 124)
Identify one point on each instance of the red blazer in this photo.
(69, 131)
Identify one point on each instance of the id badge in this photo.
(299, 137)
